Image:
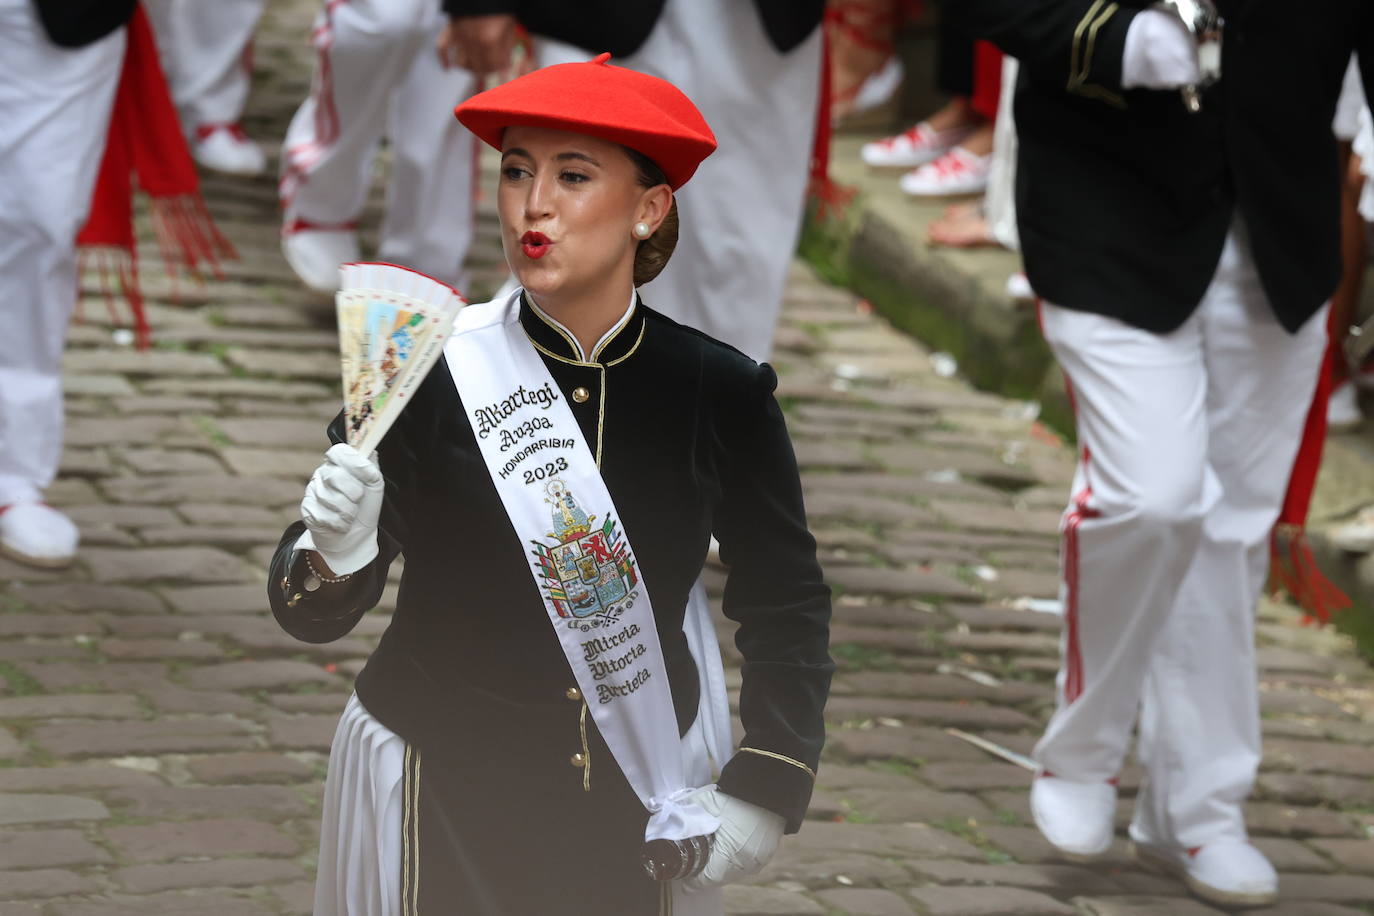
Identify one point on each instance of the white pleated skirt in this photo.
(361, 848)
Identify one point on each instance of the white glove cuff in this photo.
(350, 560)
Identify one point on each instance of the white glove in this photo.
(342, 504)
(744, 844)
(1160, 53)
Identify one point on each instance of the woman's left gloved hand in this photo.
(744, 844)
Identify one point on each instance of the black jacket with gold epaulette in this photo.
(1124, 198)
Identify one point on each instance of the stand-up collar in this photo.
(550, 336)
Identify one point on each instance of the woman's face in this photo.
(568, 205)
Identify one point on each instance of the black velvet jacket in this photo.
(1124, 198)
(691, 443)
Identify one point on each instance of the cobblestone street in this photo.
(163, 744)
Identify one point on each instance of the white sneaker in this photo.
(226, 148)
(956, 172)
(1343, 410)
(1228, 873)
(315, 255)
(1076, 817)
(36, 534)
(917, 146)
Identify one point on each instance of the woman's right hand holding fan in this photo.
(341, 508)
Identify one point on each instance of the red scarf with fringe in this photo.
(1293, 568)
(146, 146)
(829, 197)
(867, 24)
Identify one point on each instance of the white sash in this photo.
(586, 571)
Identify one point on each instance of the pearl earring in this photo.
(641, 230)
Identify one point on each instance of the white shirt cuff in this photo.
(1160, 53)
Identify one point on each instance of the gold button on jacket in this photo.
(580, 395)
(573, 693)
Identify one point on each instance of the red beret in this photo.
(645, 113)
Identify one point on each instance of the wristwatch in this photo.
(1204, 23)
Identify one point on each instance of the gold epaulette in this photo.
(1081, 54)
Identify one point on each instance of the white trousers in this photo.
(741, 213)
(56, 104)
(377, 75)
(1187, 443)
(204, 49)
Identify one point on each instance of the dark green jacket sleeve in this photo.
(776, 593)
(1078, 44)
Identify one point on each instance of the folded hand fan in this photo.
(393, 322)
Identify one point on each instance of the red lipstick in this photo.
(535, 244)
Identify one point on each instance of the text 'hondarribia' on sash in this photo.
(491, 418)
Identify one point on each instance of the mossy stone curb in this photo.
(997, 343)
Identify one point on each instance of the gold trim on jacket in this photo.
(1081, 55)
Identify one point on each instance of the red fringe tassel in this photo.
(117, 266)
(146, 150)
(1293, 569)
(830, 197)
(187, 240)
(187, 237)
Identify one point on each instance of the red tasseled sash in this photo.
(146, 145)
(1293, 568)
(857, 22)
(831, 198)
